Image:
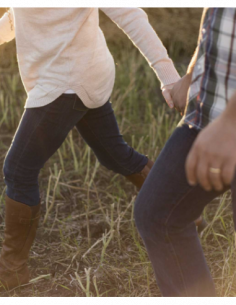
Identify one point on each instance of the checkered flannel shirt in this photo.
(214, 74)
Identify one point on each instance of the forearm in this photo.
(7, 32)
(192, 63)
(134, 22)
(194, 58)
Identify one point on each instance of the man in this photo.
(197, 163)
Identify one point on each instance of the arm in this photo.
(179, 91)
(7, 31)
(134, 22)
(194, 59)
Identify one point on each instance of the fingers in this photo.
(182, 109)
(228, 172)
(190, 167)
(215, 178)
(198, 171)
(203, 175)
(167, 97)
(177, 108)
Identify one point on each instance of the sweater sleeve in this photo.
(7, 30)
(134, 22)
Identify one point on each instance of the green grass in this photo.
(87, 243)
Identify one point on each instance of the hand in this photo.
(179, 93)
(215, 148)
(167, 96)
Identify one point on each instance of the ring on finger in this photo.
(214, 170)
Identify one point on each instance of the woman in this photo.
(68, 73)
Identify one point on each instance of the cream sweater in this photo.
(64, 48)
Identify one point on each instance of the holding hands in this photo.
(176, 94)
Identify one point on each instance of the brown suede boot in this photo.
(21, 222)
(138, 179)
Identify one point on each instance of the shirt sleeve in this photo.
(7, 29)
(134, 22)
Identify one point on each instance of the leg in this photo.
(165, 211)
(40, 132)
(100, 131)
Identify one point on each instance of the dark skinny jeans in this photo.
(165, 210)
(41, 132)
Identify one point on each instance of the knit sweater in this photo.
(64, 48)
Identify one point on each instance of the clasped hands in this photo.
(211, 161)
(176, 94)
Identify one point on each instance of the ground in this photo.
(87, 243)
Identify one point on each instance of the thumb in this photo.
(168, 98)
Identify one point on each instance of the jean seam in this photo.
(169, 239)
(107, 150)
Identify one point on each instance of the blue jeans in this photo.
(42, 131)
(165, 210)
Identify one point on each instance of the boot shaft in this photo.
(21, 223)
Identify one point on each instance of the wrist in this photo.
(170, 86)
(187, 79)
(188, 76)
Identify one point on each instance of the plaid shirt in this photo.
(214, 74)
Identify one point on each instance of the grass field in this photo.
(87, 243)
(174, 26)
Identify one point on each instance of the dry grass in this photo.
(177, 28)
(87, 244)
(79, 231)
